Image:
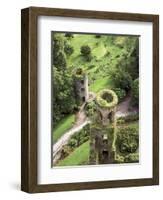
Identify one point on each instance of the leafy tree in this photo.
(85, 50)
(68, 49)
(91, 109)
(130, 58)
(63, 90)
(59, 57)
(69, 35)
(63, 94)
(135, 92)
(98, 36)
(121, 79)
(121, 93)
(132, 157)
(127, 140)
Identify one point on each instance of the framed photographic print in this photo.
(90, 99)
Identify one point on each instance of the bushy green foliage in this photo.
(80, 137)
(119, 158)
(69, 35)
(63, 94)
(121, 93)
(73, 143)
(98, 36)
(121, 79)
(135, 92)
(59, 57)
(104, 102)
(62, 90)
(86, 52)
(120, 41)
(127, 139)
(91, 109)
(131, 158)
(68, 49)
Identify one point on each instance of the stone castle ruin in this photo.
(81, 86)
(103, 123)
(102, 131)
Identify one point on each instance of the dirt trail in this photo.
(81, 121)
(123, 108)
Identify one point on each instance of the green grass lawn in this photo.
(65, 124)
(79, 156)
(100, 84)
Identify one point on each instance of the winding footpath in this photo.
(123, 108)
(82, 120)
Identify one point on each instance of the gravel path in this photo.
(123, 108)
(82, 120)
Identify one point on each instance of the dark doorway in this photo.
(83, 98)
(105, 155)
(110, 115)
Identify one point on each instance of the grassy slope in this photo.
(79, 156)
(65, 124)
(104, 56)
(100, 84)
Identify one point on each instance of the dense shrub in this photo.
(88, 58)
(132, 157)
(127, 139)
(68, 49)
(97, 35)
(121, 79)
(59, 69)
(135, 92)
(119, 159)
(80, 137)
(63, 94)
(72, 143)
(69, 35)
(86, 52)
(121, 93)
(90, 109)
(59, 57)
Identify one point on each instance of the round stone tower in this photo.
(102, 130)
(106, 105)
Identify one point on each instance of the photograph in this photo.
(90, 99)
(95, 99)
